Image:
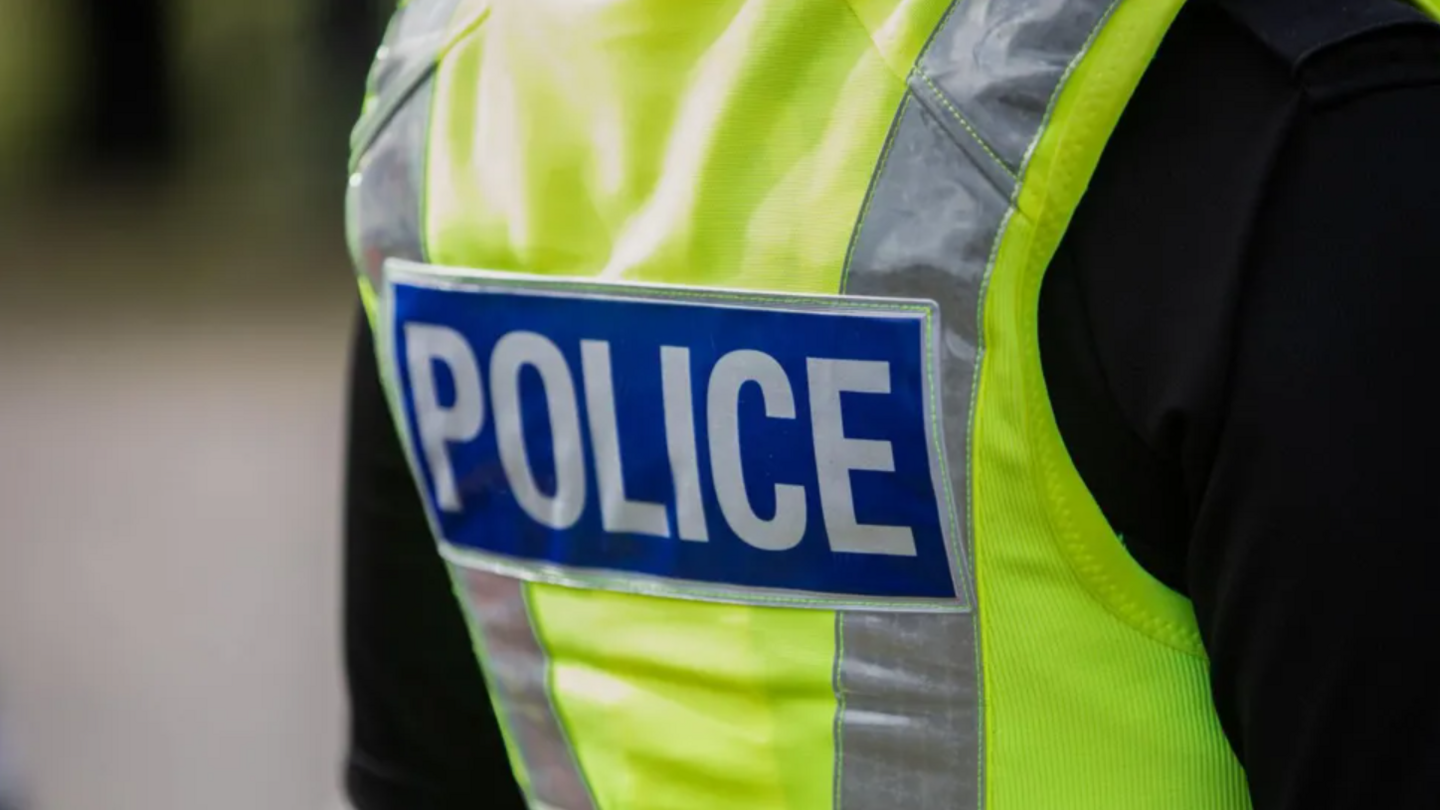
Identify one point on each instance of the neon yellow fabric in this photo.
(704, 143)
(1431, 7)
(731, 143)
(689, 704)
(721, 143)
(1096, 685)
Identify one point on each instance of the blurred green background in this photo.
(174, 317)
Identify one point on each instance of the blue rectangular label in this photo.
(701, 444)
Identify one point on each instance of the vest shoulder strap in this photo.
(1298, 30)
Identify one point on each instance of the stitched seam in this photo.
(1094, 577)
(422, 190)
(1115, 599)
(1029, 154)
(1035, 142)
(1060, 85)
(644, 292)
(467, 28)
(561, 724)
(368, 131)
(945, 102)
(944, 20)
(457, 553)
(902, 76)
(974, 484)
(951, 513)
(890, 138)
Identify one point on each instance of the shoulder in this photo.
(1254, 115)
(1332, 51)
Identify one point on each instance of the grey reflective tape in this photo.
(995, 65)
(384, 220)
(415, 35)
(910, 725)
(519, 676)
(909, 732)
(928, 232)
(405, 59)
(383, 205)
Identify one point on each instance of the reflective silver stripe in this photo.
(910, 731)
(928, 232)
(519, 676)
(415, 35)
(909, 725)
(382, 206)
(994, 66)
(405, 59)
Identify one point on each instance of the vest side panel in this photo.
(1097, 687)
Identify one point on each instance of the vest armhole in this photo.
(1064, 159)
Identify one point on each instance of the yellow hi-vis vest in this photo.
(790, 209)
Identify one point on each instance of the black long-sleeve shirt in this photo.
(1238, 342)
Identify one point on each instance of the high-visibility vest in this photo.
(566, 165)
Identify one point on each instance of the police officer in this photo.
(896, 404)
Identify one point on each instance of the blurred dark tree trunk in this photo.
(127, 120)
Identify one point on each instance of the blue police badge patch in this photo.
(706, 444)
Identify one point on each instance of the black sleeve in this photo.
(1240, 339)
(423, 734)
(1314, 551)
